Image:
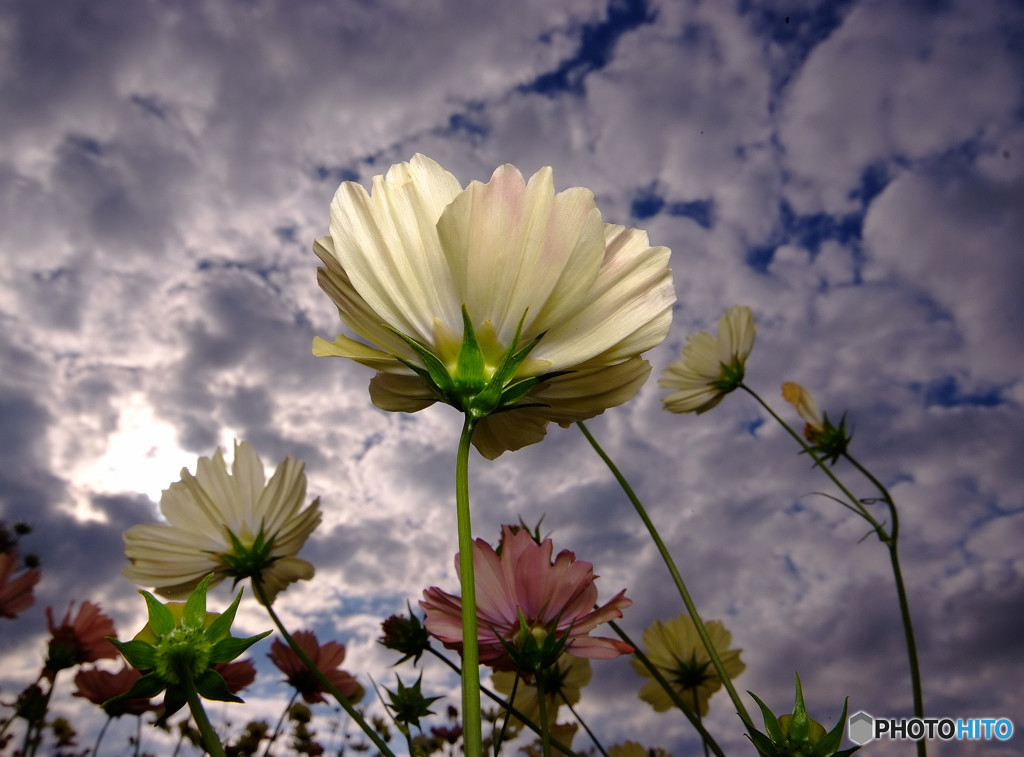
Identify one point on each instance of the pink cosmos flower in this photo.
(327, 657)
(15, 594)
(553, 597)
(82, 640)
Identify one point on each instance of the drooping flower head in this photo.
(675, 649)
(327, 657)
(529, 603)
(83, 639)
(229, 524)
(710, 367)
(512, 303)
(16, 594)
(825, 438)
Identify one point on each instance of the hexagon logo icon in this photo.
(861, 728)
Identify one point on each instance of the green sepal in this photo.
(228, 649)
(799, 723)
(771, 723)
(146, 687)
(194, 614)
(762, 743)
(830, 741)
(211, 685)
(493, 396)
(174, 700)
(469, 368)
(439, 380)
(221, 625)
(161, 620)
(141, 655)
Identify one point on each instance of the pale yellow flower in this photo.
(710, 367)
(561, 684)
(633, 749)
(805, 406)
(231, 524)
(675, 649)
(420, 256)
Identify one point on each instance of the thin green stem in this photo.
(341, 699)
(280, 721)
(709, 740)
(508, 715)
(858, 506)
(195, 706)
(698, 623)
(507, 705)
(545, 726)
(901, 593)
(888, 538)
(472, 725)
(583, 723)
(99, 738)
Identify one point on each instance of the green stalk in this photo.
(716, 661)
(342, 700)
(99, 739)
(888, 538)
(472, 725)
(195, 706)
(901, 593)
(545, 726)
(583, 723)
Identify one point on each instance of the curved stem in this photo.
(583, 723)
(508, 715)
(901, 593)
(545, 726)
(99, 738)
(716, 661)
(472, 725)
(195, 706)
(858, 506)
(341, 699)
(280, 721)
(709, 740)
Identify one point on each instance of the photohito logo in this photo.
(863, 728)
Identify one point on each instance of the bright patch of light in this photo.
(142, 456)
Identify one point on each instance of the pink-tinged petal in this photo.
(598, 648)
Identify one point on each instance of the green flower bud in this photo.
(796, 735)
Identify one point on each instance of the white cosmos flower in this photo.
(710, 367)
(414, 253)
(231, 524)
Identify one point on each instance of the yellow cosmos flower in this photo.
(229, 524)
(633, 749)
(503, 296)
(710, 367)
(562, 683)
(676, 650)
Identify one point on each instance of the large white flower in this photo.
(231, 524)
(710, 367)
(420, 256)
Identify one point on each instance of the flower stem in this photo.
(583, 723)
(888, 538)
(346, 705)
(195, 706)
(901, 593)
(99, 739)
(716, 661)
(472, 733)
(545, 726)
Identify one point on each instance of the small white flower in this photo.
(230, 524)
(710, 367)
(422, 257)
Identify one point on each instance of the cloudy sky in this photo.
(853, 171)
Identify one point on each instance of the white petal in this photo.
(515, 248)
(387, 243)
(400, 394)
